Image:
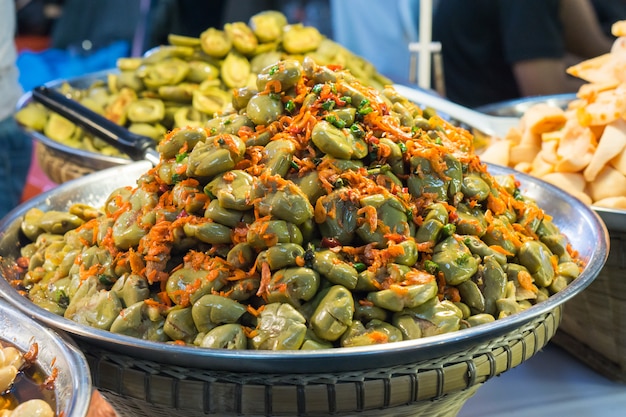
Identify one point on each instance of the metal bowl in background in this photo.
(59, 161)
(85, 160)
(517, 107)
(72, 386)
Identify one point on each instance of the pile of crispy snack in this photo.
(581, 148)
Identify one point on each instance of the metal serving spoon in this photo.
(490, 125)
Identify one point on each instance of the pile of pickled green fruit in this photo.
(318, 213)
(190, 80)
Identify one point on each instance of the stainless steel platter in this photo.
(586, 231)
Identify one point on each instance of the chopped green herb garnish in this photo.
(339, 183)
(365, 110)
(357, 131)
(431, 267)
(290, 106)
(464, 258)
(359, 266)
(274, 70)
(63, 300)
(181, 157)
(448, 229)
(105, 279)
(328, 105)
(335, 121)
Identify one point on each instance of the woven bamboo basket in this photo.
(594, 326)
(57, 168)
(439, 387)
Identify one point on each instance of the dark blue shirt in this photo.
(482, 39)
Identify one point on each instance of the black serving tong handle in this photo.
(137, 147)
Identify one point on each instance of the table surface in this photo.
(551, 383)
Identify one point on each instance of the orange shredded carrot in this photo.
(370, 216)
(525, 281)
(164, 298)
(415, 276)
(85, 273)
(137, 265)
(272, 86)
(500, 249)
(379, 337)
(266, 276)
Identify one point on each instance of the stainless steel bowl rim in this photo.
(517, 107)
(73, 383)
(328, 360)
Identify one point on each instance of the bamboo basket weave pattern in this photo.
(438, 388)
(594, 324)
(57, 168)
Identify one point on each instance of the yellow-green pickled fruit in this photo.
(235, 70)
(34, 116)
(241, 36)
(215, 43)
(268, 25)
(59, 128)
(299, 39)
(146, 110)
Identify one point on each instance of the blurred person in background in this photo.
(608, 12)
(378, 31)
(15, 144)
(498, 50)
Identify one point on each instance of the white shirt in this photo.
(10, 89)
